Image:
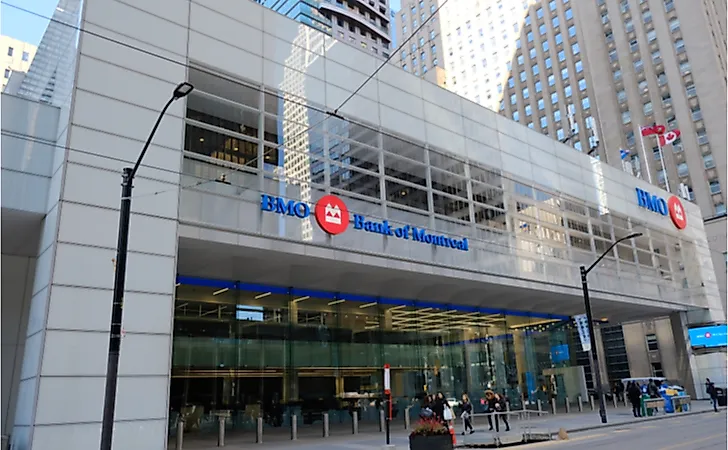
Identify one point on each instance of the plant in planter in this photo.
(430, 434)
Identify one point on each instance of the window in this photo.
(515, 116)
(545, 46)
(575, 48)
(511, 82)
(613, 55)
(647, 16)
(657, 370)
(647, 108)
(617, 75)
(551, 80)
(528, 110)
(690, 90)
(540, 104)
(522, 76)
(537, 86)
(532, 53)
(547, 62)
(715, 187)
(544, 122)
(557, 116)
(679, 46)
(10, 51)
(572, 31)
(684, 68)
(567, 91)
(534, 69)
(656, 57)
(542, 29)
(525, 93)
(669, 6)
(561, 55)
(552, 5)
(657, 153)
(720, 208)
(432, 34)
(513, 99)
(555, 22)
(7, 73)
(564, 73)
(708, 162)
(26, 56)
(434, 62)
(674, 24)
(579, 66)
(633, 47)
(696, 113)
(628, 25)
(624, 6)
(560, 134)
(432, 9)
(638, 66)
(558, 38)
(529, 36)
(682, 170)
(554, 97)
(626, 117)
(404, 66)
(520, 60)
(577, 145)
(585, 103)
(527, 21)
(651, 35)
(661, 79)
(568, 14)
(582, 85)
(605, 18)
(539, 13)
(652, 342)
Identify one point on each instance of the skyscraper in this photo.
(17, 56)
(593, 73)
(362, 23)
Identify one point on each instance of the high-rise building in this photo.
(17, 56)
(592, 73)
(362, 23)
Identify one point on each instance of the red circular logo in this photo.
(331, 214)
(677, 212)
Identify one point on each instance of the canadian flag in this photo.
(669, 137)
(651, 130)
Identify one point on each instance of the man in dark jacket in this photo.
(713, 392)
(634, 393)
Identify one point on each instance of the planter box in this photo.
(440, 442)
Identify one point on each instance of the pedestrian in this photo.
(438, 406)
(466, 414)
(502, 407)
(634, 393)
(653, 391)
(712, 392)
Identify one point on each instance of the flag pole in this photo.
(644, 156)
(662, 161)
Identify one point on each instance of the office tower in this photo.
(17, 56)
(592, 73)
(362, 23)
(422, 53)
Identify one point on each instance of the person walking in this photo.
(634, 393)
(467, 412)
(712, 392)
(501, 407)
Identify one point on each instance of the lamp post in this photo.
(587, 306)
(112, 365)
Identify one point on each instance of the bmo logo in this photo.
(672, 207)
(331, 214)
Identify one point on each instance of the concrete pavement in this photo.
(310, 438)
(682, 432)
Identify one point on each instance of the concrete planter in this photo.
(439, 442)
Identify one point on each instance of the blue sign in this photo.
(302, 210)
(707, 337)
(559, 353)
(652, 202)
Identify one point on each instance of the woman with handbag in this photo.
(467, 412)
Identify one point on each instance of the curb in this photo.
(646, 419)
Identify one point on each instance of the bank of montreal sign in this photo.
(673, 207)
(332, 216)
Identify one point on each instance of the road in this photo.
(695, 432)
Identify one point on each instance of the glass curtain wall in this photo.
(270, 352)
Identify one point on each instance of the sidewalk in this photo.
(310, 438)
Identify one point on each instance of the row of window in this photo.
(25, 56)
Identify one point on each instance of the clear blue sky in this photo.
(23, 26)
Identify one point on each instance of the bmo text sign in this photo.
(673, 207)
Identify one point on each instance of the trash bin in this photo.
(669, 406)
(645, 411)
(721, 396)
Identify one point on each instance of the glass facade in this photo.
(272, 352)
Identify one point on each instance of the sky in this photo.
(24, 26)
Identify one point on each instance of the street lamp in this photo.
(112, 365)
(587, 305)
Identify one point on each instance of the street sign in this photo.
(387, 380)
(582, 324)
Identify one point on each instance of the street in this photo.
(694, 432)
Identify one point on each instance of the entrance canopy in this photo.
(348, 274)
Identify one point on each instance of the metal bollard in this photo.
(294, 427)
(382, 419)
(508, 406)
(259, 431)
(221, 431)
(581, 407)
(553, 405)
(326, 424)
(355, 422)
(614, 400)
(624, 400)
(180, 433)
(568, 406)
(407, 418)
(591, 402)
(540, 409)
